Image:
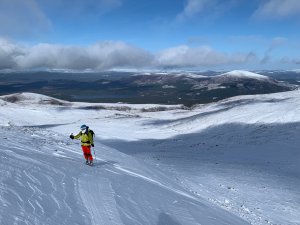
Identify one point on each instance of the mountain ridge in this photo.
(167, 88)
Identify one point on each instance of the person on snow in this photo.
(87, 140)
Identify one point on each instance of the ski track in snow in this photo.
(155, 182)
(102, 207)
(45, 186)
(35, 191)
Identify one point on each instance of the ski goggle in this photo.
(83, 129)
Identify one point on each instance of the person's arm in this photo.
(78, 135)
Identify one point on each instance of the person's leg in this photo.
(85, 152)
(90, 156)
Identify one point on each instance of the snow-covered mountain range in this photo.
(236, 161)
(143, 88)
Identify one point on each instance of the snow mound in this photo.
(243, 74)
(32, 98)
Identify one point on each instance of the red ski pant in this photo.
(87, 152)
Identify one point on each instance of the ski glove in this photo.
(72, 136)
(92, 145)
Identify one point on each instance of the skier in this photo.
(87, 140)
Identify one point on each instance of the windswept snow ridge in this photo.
(232, 162)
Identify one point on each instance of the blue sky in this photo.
(143, 34)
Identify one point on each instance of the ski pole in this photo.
(94, 154)
(69, 141)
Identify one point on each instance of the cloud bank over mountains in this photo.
(102, 55)
(117, 54)
(185, 56)
(110, 55)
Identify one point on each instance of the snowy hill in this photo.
(243, 74)
(231, 162)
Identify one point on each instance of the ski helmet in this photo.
(83, 127)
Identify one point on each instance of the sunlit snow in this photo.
(231, 162)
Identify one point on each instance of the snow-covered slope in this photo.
(232, 162)
(243, 74)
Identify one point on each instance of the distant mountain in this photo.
(195, 88)
(152, 87)
(230, 78)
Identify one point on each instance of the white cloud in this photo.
(296, 61)
(184, 56)
(101, 56)
(278, 41)
(116, 54)
(22, 18)
(8, 52)
(27, 18)
(119, 54)
(275, 43)
(290, 61)
(211, 9)
(194, 7)
(277, 9)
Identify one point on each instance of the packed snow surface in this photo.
(233, 162)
